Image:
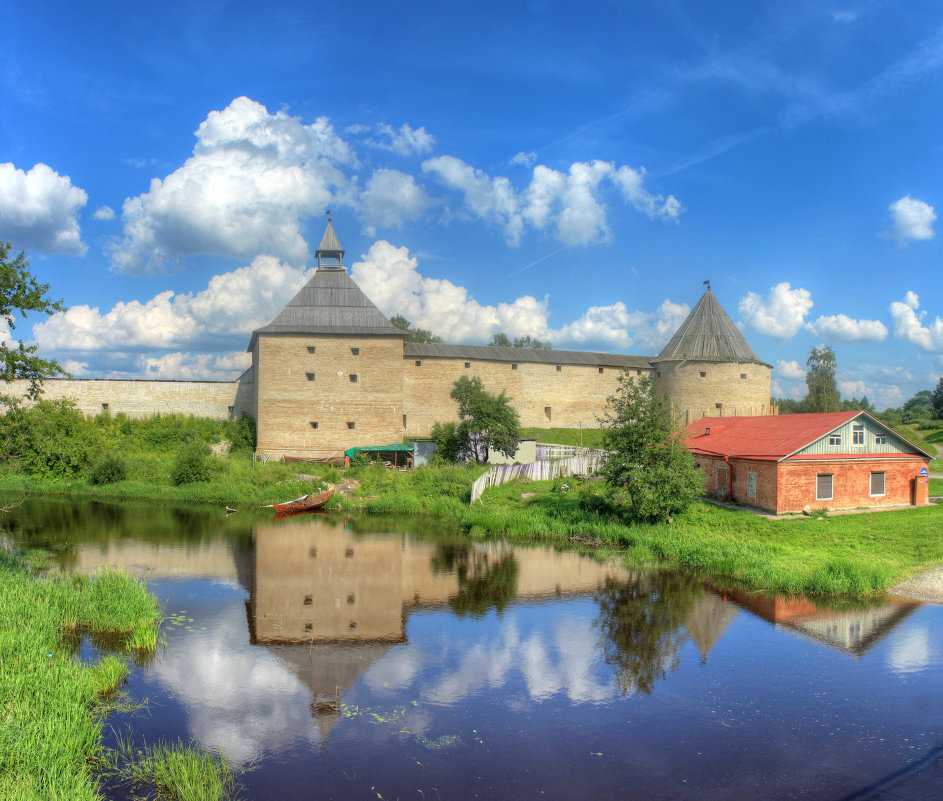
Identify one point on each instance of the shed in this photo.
(396, 454)
(832, 460)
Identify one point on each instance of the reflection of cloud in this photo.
(556, 656)
(239, 699)
(910, 650)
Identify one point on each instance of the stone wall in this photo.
(699, 389)
(318, 395)
(543, 395)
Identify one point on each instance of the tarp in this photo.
(395, 447)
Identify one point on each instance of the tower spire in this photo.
(329, 249)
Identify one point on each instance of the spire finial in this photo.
(707, 283)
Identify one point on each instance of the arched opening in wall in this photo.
(548, 412)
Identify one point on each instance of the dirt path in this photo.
(926, 586)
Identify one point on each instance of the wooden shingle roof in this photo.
(491, 353)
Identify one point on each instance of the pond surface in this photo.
(362, 659)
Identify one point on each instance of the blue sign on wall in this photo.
(923, 471)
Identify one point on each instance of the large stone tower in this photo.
(708, 369)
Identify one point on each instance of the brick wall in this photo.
(574, 394)
(850, 483)
(289, 402)
(693, 395)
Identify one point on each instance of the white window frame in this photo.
(883, 492)
(751, 484)
(857, 435)
(834, 439)
(831, 487)
(880, 438)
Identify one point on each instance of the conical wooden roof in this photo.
(709, 335)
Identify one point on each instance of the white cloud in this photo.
(569, 205)
(195, 366)
(104, 213)
(845, 16)
(791, 370)
(780, 314)
(841, 328)
(232, 305)
(252, 179)
(391, 198)
(616, 326)
(911, 219)
(910, 650)
(524, 159)
(852, 389)
(39, 210)
(908, 324)
(405, 141)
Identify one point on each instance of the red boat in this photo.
(306, 503)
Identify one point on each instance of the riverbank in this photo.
(53, 703)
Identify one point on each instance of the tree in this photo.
(648, 461)
(823, 395)
(938, 399)
(922, 399)
(485, 420)
(414, 334)
(500, 340)
(21, 292)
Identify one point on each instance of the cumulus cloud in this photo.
(104, 213)
(911, 219)
(391, 278)
(232, 305)
(39, 210)
(251, 180)
(391, 198)
(791, 370)
(780, 314)
(908, 324)
(405, 141)
(524, 159)
(569, 205)
(841, 328)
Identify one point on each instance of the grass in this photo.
(592, 437)
(51, 703)
(849, 554)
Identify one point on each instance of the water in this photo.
(363, 659)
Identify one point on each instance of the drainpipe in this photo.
(729, 479)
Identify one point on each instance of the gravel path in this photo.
(926, 586)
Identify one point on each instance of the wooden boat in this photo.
(306, 503)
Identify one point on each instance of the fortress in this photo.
(330, 372)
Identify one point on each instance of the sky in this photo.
(568, 171)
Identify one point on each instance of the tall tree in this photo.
(938, 399)
(648, 462)
(21, 293)
(823, 395)
(485, 420)
(414, 334)
(500, 340)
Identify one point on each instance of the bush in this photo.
(49, 440)
(191, 464)
(110, 470)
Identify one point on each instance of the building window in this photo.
(880, 439)
(547, 411)
(310, 376)
(314, 424)
(351, 598)
(311, 348)
(514, 366)
(823, 487)
(352, 624)
(751, 484)
(857, 434)
(404, 421)
(877, 484)
(355, 351)
(467, 365)
(313, 553)
(348, 553)
(600, 369)
(309, 626)
(309, 599)
(418, 362)
(834, 439)
(351, 424)
(232, 412)
(559, 368)
(353, 378)
(638, 372)
(743, 375)
(703, 374)
(718, 406)
(104, 407)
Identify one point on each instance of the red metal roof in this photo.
(773, 437)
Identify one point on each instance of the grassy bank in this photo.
(52, 704)
(848, 554)
(591, 437)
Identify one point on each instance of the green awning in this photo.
(395, 447)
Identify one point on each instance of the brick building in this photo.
(834, 460)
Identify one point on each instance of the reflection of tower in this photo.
(708, 621)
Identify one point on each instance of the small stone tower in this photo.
(709, 370)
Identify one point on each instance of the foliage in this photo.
(485, 420)
(586, 437)
(414, 334)
(823, 395)
(938, 399)
(449, 442)
(484, 583)
(501, 340)
(109, 470)
(191, 465)
(649, 462)
(50, 439)
(20, 293)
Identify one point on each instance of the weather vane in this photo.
(328, 213)
(707, 283)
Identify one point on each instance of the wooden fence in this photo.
(585, 463)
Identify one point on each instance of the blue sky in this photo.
(569, 171)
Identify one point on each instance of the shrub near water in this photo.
(110, 470)
(192, 464)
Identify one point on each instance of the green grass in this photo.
(592, 437)
(52, 704)
(173, 771)
(936, 486)
(849, 554)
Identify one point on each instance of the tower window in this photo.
(600, 369)
(513, 366)
(104, 407)
(418, 362)
(467, 364)
(348, 553)
(314, 424)
(232, 412)
(559, 368)
(743, 375)
(355, 351)
(311, 348)
(353, 378)
(309, 599)
(718, 406)
(309, 626)
(638, 372)
(703, 375)
(547, 411)
(351, 424)
(351, 598)
(310, 376)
